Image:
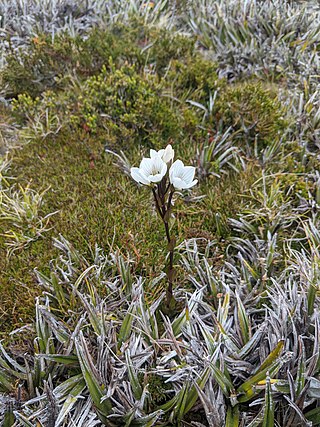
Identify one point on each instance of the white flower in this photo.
(150, 170)
(166, 154)
(181, 176)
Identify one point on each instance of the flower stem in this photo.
(157, 202)
(171, 249)
(166, 226)
(163, 210)
(170, 200)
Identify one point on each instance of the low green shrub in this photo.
(47, 64)
(254, 110)
(195, 78)
(166, 47)
(127, 106)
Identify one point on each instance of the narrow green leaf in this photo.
(147, 421)
(233, 416)
(65, 388)
(314, 416)
(223, 309)
(301, 373)
(249, 346)
(58, 290)
(128, 418)
(94, 318)
(272, 364)
(70, 401)
(184, 317)
(9, 418)
(244, 321)
(12, 362)
(6, 368)
(83, 275)
(180, 408)
(211, 342)
(179, 322)
(248, 389)
(268, 418)
(257, 421)
(282, 386)
(125, 329)
(90, 374)
(23, 420)
(125, 274)
(5, 382)
(312, 291)
(59, 358)
(223, 381)
(168, 406)
(42, 329)
(272, 356)
(133, 378)
(192, 394)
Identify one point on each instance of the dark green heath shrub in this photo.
(47, 64)
(128, 104)
(252, 109)
(195, 78)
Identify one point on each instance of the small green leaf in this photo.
(59, 358)
(233, 416)
(271, 365)
(223, 381)
(9, 418)
(192, 394)
(133, 378)
(58, 290)
(126, 326)
(272, 356)
(5, 382)
(312, 291)
(314, 416)
(244, 321)
(90, 376)
(23, 420)
(70, 402)
(301, 373)
(268, 418)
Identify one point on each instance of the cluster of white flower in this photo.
(154, 168)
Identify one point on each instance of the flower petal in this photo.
(146, 166)
(155, 178)
(168, 154)
(177, 183)
(188, 173)
(176, 169)
(154, 153)
(191, 184)
(138, 176)
(160, 165)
